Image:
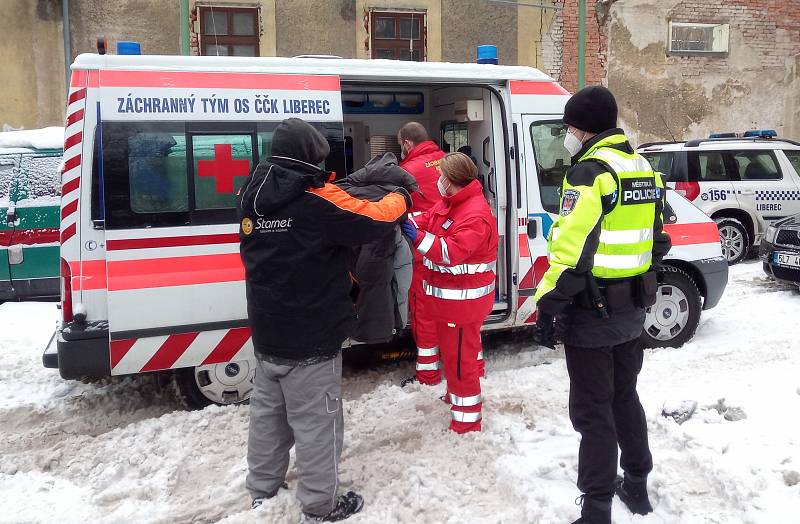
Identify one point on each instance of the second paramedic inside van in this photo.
(421, 157)
(296, 233)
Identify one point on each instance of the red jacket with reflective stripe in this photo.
(458, 240)
(423, 164)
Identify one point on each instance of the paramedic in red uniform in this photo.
(421, 158)
(296, 233)
(457, 239)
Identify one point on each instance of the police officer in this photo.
(604, 247)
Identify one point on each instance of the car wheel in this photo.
(673, 319)
(223, 384)
(735, 241)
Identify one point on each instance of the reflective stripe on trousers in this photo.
(460, 416)
(428, 352)
(473, 400)
(461, 269)
(457, 294)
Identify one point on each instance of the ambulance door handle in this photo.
(748, 192)
(533, 228)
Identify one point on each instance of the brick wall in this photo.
(560, 46)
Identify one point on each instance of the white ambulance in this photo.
(157, 146)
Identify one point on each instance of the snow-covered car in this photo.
(743, 182)
(780, 250)
(30, 213)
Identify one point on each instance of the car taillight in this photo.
(66, 292)
(688, 190)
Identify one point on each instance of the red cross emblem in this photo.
(223, 168)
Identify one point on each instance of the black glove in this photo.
(544, 331)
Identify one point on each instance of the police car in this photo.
(156, 148)
(743, 182)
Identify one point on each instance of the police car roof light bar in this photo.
(762, 133)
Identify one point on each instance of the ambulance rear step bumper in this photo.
(85, 353)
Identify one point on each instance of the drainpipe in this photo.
(65, 32)
(185, 27)
(581, 43)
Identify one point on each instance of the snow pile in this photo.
(45, 138)
(124, 450)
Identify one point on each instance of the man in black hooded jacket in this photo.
(296, 231)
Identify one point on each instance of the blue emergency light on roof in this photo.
(722, 135)
(129, 48)
(487, 54)
(761, 133)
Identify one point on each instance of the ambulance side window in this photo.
(222, 164)
(144, 174)
(157, 172)
(552, 160)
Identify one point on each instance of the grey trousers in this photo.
(300, 406)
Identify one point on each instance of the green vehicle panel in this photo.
(29, 224)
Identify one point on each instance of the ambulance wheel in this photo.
(222, 384)
(673, 319)
(735, 241)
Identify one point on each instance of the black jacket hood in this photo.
(298, 140)
(297, 149)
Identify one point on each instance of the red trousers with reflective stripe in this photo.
(424, 330)
(460, 345)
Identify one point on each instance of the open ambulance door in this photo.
(538, 135)
(176, 148)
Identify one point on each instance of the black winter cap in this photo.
(297, 139)
(592, 109)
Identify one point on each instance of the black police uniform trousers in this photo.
(605, 409)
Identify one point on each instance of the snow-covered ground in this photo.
(125, 451)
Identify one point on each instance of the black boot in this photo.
(594, 510)
(633, 493)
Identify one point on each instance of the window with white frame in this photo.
(689, 38)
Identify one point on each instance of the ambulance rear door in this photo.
(537, 109)
(176, 148)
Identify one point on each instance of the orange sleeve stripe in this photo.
(388, 209)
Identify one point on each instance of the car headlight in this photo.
(772, 231)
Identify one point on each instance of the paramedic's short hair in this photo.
(459, 169)
(413, 131)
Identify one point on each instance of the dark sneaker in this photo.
(634, 495)
(407, 381)
(259, 501)
(347, 505)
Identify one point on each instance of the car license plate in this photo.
(786, 259)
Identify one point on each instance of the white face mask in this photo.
(442, 188)
(572, 144)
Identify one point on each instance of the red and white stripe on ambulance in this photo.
(173, 293)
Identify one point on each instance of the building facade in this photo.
(680, 68)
